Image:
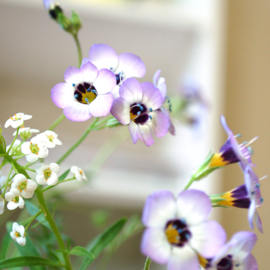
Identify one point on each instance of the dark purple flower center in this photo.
(119, 77)
(85, 93)
(139, 113)
(225, 263)
(177, 232)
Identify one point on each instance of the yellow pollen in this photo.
(203, 262)
(217, 161)
(17, 234)
(172, 235)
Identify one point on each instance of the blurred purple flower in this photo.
(177, 230)
(86, 92)
(139, 107)
(124, 65)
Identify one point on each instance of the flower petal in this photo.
(77, 112)
(105, 81)
(102, 105)
(152, 97)
(12, 205)
(54, 167)
(62, 94)
(251, 212)
(250, 263)
(131, 64)
(183, 258)
(73, 75)
(89, 71)
(160, 207)
(131, 91)
(156, 77)
(155, 245)
(53, 179)
(258, 222)
(121, 110)
(207, 238)
(41, 179)
(160, 123)
(133, 130)
(145, 134)
(194, 206)
(103, 56)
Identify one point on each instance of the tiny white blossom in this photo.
(14, 147)
(18, 233)
(2, 205)
(26, 187)
(26, 132)
(78, 173)
(50, 139)
(17, 120)
(47, 174)
(34, 149)
(14, 199)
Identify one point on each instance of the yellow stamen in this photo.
(203, 262)
(172, 235)
(217, 161)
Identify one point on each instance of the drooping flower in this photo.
(15, 147)
(18, 233)
(78, 173)
(34, 149)
(231, 151)
(159, 82)
(26, 187)
(235, 255)
(86, 92)
(26, 132)
(2, 205)
(124, 65)
(47, 174)
(50, 139)
(176, 229)
(139, 107)
(246, 196)
(17, 120)
(14, 199)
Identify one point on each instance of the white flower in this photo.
(47, 174)
(18, 234)
(26, 132)
(34, 149)
(2, 205)
(78, 173)
(17, 120)
(26, 187)
(50, 139)
(14, 147)
(14, 199)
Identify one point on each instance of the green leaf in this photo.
(82, 252)
(26, 261)
(4, 246)
(102, 241)
(64, 175)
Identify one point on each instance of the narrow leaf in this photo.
(82, 252)
(102, 241)
(4, 246)
(64, 175)
(26, 261)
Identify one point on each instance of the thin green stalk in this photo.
(29, 164)
(13, 140)
(75, 145)
(19, 157)
(189, 183)
(28, 169)
(32, 219)
(4, 192)
(147, 263)
(57, 122)
(78, 49)
(53, 226)
(49, 187)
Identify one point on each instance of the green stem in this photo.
(53, 226)
(78, 49)
(32, 219)
(147, 263)
(4, 192)
(28, 169)
(57, 122)
(189, 183)
(75, 145)
(13, 140)
(49, 187)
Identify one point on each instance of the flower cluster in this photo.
(104, 83)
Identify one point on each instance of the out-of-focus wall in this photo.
(247, 106)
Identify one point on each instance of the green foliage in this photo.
(82, 252)
(102, 241)
(63, 175)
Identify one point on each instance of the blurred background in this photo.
(221, 46)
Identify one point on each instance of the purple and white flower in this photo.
(17, 120)
(159, 82)
(34, 149)
(235, 255)
(78, 173)
(14, 199)
(26, 186)
(18, 234)
(47, 174)
(49, 138)
(124, 65)
(139, 107)
(86, 92)
(177, 230)
(231, 151)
